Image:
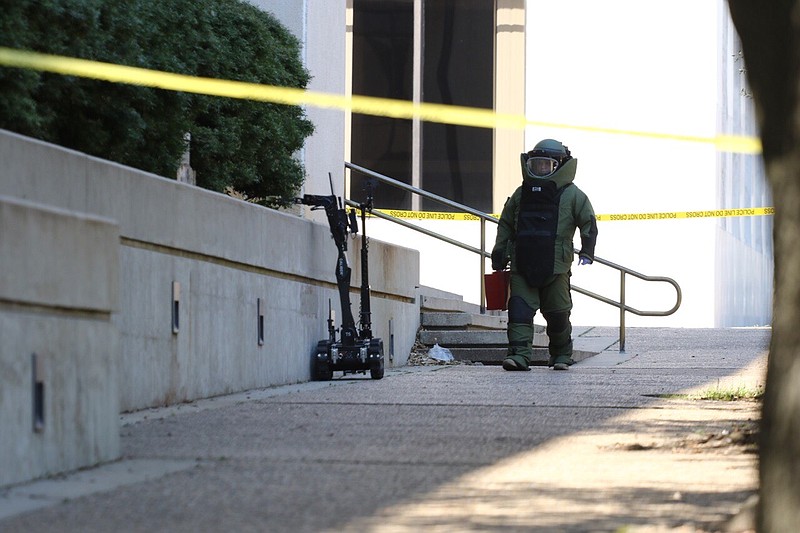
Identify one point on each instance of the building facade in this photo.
(744, 244)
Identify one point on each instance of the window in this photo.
(457, 67)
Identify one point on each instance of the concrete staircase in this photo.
(446, 319)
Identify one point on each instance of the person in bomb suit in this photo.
(535, 235)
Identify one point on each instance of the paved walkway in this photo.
(618, 443)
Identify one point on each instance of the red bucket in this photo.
(496, 287)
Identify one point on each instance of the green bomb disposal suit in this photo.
(535, 234)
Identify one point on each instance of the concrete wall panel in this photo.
(216, 349)
(58, 288)
(78, 370)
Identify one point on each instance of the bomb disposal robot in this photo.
(356, 350)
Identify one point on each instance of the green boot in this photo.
(559, 331)
(516, 362)
(561, 362)
(520, 337)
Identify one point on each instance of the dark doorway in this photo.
(383, 44)
(459, 70)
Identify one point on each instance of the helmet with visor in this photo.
(545, 158)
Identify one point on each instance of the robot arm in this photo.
(337, 217)
(340, 224)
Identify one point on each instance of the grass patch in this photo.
(729, 394)
(732, 394)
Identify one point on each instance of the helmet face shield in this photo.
(541, 166)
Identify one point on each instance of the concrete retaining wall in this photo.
(59, 394)
(220, 255)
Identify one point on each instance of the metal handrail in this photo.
(483, 217)
(621, 304)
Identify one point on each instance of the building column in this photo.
(509, 83)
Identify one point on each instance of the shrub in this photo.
(244, 145)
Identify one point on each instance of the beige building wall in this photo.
(509, 97)
(320, 25)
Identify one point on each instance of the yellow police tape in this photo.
(441, 113)
(672, 215)
(711, 213)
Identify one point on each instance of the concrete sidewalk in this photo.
(618, 443)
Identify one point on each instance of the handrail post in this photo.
(622, 311)
(483, 266)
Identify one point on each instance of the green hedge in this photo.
(248, 146)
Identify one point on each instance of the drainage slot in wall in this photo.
(391, 339)
(260, 305)
(176, 306)
(38, 393)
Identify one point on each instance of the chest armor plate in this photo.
(537, 225)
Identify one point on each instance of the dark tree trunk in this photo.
(770, 34)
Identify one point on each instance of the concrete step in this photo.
(450, 320)
(424, 290)
(447, 320)
(490, 347)
(487, 337)
(436, 303)
(495, 356)
(450, 338)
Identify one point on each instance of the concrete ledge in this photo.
(164, 212)
(57, 258)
